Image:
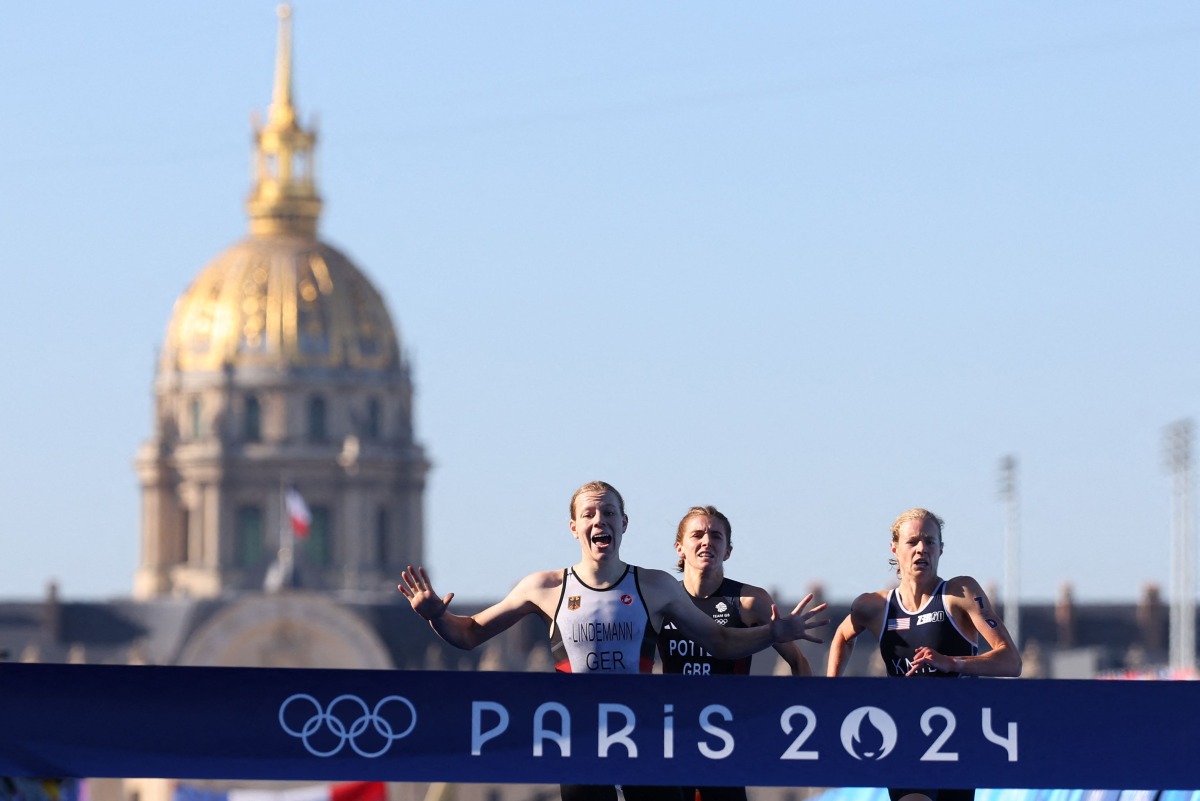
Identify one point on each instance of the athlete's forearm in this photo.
(458, 630)
(735, 643)
(840, 650)
(796, 661)
(1002, 661)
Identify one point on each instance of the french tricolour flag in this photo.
(298, 512)
(346, 791)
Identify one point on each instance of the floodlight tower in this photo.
(1012, 551)
(1183, 554)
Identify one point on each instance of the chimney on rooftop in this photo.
(1064, 616)
(52, 614)
(1152, 620)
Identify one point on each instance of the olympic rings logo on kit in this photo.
(348, 719)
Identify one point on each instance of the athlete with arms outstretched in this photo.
(603, 613)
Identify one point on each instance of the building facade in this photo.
(281, 369)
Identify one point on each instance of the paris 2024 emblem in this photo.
(868, 733)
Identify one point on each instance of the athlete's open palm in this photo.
(799, 623)
(416, 587)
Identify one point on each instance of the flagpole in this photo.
(287, 537)
(279, 574)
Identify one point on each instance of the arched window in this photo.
(197, 422)
(248, 547)
(252, 422)
(318, 545)
(317, 425)
(374, 416)
(381, 536)
(185, 522)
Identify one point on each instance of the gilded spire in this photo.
(284, 198)
(282, 112)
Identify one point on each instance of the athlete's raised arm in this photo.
(530, 596)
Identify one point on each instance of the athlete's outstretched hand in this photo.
(415, 586)
(799, 623)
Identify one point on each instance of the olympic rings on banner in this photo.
(327, 719)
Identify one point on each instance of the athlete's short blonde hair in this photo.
(916, 513)
(600, 487)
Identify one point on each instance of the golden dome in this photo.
(280, 302)
(281, 298)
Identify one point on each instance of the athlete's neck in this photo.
(915, 591)
(701, 584)
(600, 574)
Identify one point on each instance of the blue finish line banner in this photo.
(338, 725)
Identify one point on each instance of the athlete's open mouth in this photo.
(602, 539)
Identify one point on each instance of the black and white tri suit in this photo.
(602, 630)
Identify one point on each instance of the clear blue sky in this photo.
(813, 263)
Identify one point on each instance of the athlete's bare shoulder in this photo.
(755, 603)
(547, 578)
(656, 579)
(964, 592)
(878, 597)
(972, 609)
(662, 591)
(541, 588)
(963, 587)
(868, 608)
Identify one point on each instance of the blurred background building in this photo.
(282, 375)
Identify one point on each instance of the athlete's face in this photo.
(598, 524)
(918, 547)
(705, 543)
